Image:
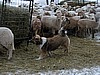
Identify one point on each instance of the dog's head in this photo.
(37, 40)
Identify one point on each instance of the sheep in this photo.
(47, 8)
(48, 13)
(72, 13)
(7, 40)
(97, 9)
(36, 26)
(52, 23)
(63, 10)
(97, 16)
(71, 27)
(86, 24)
(92, 16)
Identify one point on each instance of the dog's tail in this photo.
(63, 32)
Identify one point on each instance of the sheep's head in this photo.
(46, 13)
(36, 24)
(65, 22)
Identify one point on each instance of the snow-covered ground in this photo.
(84, 71)
(97, 37)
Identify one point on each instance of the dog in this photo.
(50, 44)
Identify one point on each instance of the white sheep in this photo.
(86, 24)
(7, 40)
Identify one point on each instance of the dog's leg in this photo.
(49, 53)
(43, 55)
(67, 45)
(66, 48)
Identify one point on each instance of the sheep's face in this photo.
(36, 24)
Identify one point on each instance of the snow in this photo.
(85, 71)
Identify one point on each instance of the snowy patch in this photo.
(84, 71)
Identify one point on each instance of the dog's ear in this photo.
(37, 36)
(38, 41)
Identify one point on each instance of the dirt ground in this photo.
(83, 53)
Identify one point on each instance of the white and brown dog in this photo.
(49, 44)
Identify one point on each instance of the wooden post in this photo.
(30, 6)
(30, 21)
(31, 12)
(2, 12)
(47, 2)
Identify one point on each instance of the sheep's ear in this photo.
(67, 19)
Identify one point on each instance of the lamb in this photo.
(7, 40)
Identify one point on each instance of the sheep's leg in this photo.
(56, 32)
(88, 31)
(85, 32)
(77, 31)
(10, 54)
(80, 33)
(92, 33)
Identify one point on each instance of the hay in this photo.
(17, 19)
